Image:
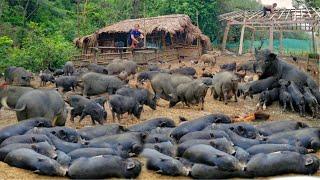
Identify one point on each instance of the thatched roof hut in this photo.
(172, 24)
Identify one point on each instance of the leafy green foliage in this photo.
(36, 32)
(313, 55)
(37, 50)
(313, 3)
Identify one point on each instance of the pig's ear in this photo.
(272, 56)
(156, 147)
(219, 155)
(122, 128)
(218, 120)
(157, 140)
(33, 139)
(241, 129)
(288, 83)
(163, 124)
(34, 147)
(159, 171)
(62, 133)
(154, 98)
(309, 161)
(40, 124)
(41, 159)
(144, 135)
(119, 147)
(37, 171)
(301, 125)
(212, 143)
(212, 135)
(105, 71)
(130, 165)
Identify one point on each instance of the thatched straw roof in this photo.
(169, 24)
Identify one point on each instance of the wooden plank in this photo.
(315, 11)
(313, 42)
(231, 15)
(250, 27)
(242, 37)
(253, 23)
(272, 16)
(289, 12)
(282, 13)
(254, 15)
(278, 30)
(109, 47)
(225, 37)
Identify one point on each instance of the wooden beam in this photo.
(283, 26)
(94, 56)
(278, 30)
(272, 16)
(255, 14)
(271, 38)
(253, 23)
(281, 14)
(316, 11)
(313, 42)
(242, 36)
(307, 10)
(250, 27)
(225, 37)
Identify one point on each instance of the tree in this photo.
(300, 3)
(136, 12)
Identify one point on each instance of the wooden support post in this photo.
(313, 42)
(95, 55)
(252, 41)
(242, 37)
(163, 39)
(199, 47)
(281, 43)
(198, 39)
(225, 37)
(144, 26)
(271, 37)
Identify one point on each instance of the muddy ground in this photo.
(211, 106)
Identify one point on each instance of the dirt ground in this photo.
(211, 106)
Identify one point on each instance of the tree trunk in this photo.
(136, 4)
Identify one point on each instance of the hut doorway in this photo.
(123, 37)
